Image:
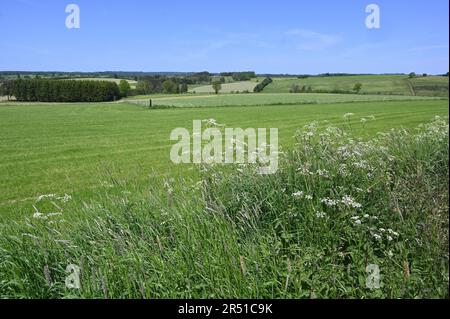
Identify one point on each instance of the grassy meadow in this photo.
(363, 180)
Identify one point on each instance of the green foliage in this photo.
(7, 89)
(44, 90)
(240, 76)
(357, 87)
(296, 88)
(153, 85)
(124, 88)
(170, 86)
(260, 87)
(217, 86)
(184, 88)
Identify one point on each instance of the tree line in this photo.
(240, 76)
(151, 85)
(260, 87)
(46, 90)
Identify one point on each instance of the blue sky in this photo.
(284, 36)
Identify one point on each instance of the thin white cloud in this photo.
(311, 40)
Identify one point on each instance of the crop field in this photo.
(379, 84)
(267, 99)
(431, 86)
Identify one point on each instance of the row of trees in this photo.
(297, 88)
(240, 76)
(260, 87)
(6, 89)
(45, 90)
(160, 85)
(165, 84)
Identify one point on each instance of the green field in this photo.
(371, 84)
(92, 184)
(267, 99)
(67, 148)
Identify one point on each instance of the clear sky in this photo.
(282, 36)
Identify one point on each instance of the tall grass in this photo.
(336, 205)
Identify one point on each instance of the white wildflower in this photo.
(349, 201)
(65, 198)
(304, 169)
(376, 236)
(41, 197)
(329, 202)
(390, 231)
(320, 214)
(322, 172)
(298, 194)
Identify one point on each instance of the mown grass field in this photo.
(268, 99)
(68, 148)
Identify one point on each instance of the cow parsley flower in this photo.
(329, 202)
(349, 201)
(320, 214)
(322, 172)
(376, 236)
(298, 194)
